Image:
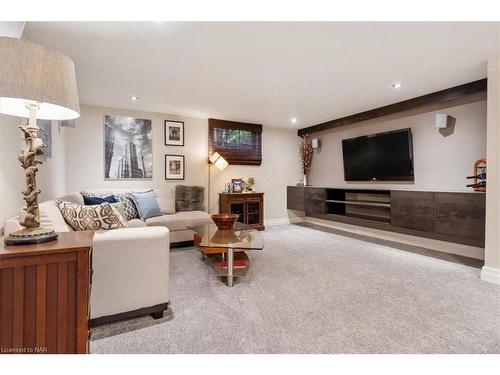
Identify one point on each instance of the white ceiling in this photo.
(267, 72)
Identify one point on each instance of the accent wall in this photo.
(443, 158)
(85, 161)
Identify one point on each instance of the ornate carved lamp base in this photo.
(31, 236)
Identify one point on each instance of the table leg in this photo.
(230, 267)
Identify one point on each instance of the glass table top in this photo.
(240, 237)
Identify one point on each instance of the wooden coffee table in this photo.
(223, 247)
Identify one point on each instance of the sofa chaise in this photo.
(130, 265)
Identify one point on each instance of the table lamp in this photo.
(35, 82)
(221, 163)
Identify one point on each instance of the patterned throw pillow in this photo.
(129, 206)
(80, 217)
(119, 211)
(101, 194)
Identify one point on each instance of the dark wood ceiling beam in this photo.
(442, 96)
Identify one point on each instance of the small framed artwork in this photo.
(174, 167)
(237, 185)
(68, 123)
(45, 133)
(174, 133)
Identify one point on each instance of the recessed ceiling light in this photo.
(397, 85)
(134, 98)
(293, 120)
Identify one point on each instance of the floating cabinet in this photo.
(447, 216)
(314, 200)
(295, 198)
(413, 210)
(461, 215)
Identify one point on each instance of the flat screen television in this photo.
(379, 157)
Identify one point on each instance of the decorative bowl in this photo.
(224, 237)
(224, 221)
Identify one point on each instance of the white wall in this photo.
(280, 167)
(440, 162)
(85, 162)
(51, 175)
(85, 150)
(12, 180)
(491, 269)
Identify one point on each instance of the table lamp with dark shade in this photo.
(35, 82)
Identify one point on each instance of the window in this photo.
(238, 142)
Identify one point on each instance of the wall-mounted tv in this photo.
(379, 157)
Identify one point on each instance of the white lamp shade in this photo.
(221, 163)
(217, 160)
(29, 71)
(213, 158)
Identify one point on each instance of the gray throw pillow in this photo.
(189, 198)
(146, 204)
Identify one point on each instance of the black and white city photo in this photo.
(128, 148)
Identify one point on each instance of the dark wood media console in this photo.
(447, 216)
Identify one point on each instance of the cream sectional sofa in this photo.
(130, 265)
(175, 222)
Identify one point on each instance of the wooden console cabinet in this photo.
(250, 207)
(44, 295)
(413, 210)
(449, 216)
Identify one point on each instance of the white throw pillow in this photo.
(166, 200)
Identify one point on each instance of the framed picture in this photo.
(45, 134)
(174, 133)
(174, 167)
(68, 123)
(128, 148)
(237, 185)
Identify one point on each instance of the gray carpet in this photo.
(311, 291)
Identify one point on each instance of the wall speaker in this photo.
(315, 143)
(441, 120)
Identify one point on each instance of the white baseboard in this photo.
(283, 221)
(490, 274)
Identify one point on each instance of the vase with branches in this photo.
(306, 155)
